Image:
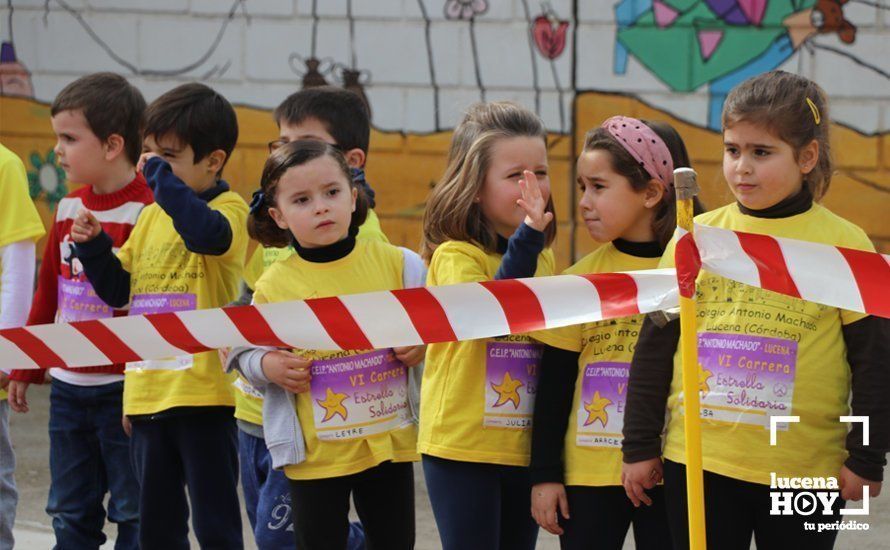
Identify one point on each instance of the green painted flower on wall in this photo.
(47, 179)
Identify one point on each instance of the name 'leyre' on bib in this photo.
(359, 395)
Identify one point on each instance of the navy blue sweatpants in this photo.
(197, 450)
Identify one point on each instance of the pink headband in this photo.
(644, 145)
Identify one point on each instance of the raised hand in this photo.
(533, 202)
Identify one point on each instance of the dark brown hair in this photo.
(665, 220)
(342, 112)
(790, 107)
(196, 115)
(110, 105)
(452, 214)
(260, 224)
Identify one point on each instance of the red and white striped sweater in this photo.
(63, 291)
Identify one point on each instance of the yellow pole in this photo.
(686, 188)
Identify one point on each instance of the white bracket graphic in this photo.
(773, 420)
(865, 490)
(861, 419)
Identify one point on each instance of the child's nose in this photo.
(743, 165)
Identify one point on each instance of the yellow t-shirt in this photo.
(249, 402)
(166, 276)
(355, 414)
(263, 257)
(593, 439)
(19, 220)
(477, 397)
(763, 353)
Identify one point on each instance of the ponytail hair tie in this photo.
(257, 201)
(816, 116)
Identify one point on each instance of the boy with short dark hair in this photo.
(97, 120)
(186, 252)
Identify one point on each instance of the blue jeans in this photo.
(268, 501)
(88, 457)
(480, 506)
(8, 495)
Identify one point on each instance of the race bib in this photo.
(78, 302)
(358, 396)
(600, 415)
(143, 304)
(246, 388)
(745, 379)
(511, 381)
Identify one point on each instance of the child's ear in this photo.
(114, 146)
(808, 157)
(216, 160)
(654, 193)
(355, 158)
(277, 217)
(354, 198)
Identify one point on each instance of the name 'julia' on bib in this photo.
(511, 382)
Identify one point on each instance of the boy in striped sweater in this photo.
(97, 121)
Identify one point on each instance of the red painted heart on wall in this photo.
(550, 36)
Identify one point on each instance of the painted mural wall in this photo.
(419, 63)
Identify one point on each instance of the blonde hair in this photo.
(452, 213)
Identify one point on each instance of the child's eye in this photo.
(333, 191)
(732, 150)
(541, 173)
(761, 152)
(515, 175)
(301, 200)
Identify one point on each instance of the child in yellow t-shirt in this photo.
(352, 406)
(625, 175)
(185, 253)
(338, 117)
(490, 217)
(762, 354)
(20, 228)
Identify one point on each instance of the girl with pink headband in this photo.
(627, 202)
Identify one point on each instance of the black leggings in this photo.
(734, 510)
(480, 506)
(384, 501)
(601, 516)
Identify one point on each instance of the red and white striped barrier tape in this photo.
(834, 276)
(829, 275)
(360, 321)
